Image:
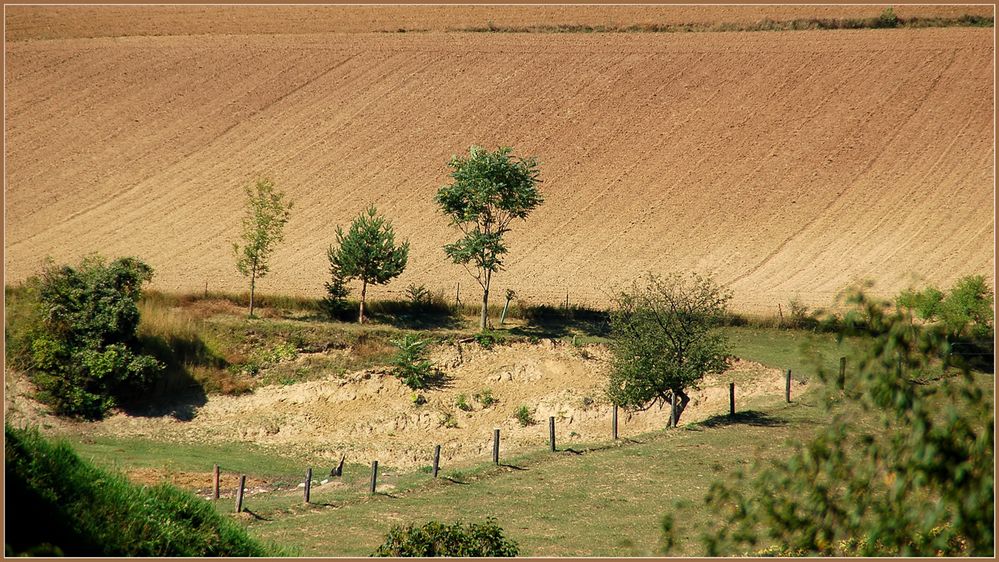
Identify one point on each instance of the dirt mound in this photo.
(787, 164)
(371, 415)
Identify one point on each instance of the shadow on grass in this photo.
(454, 480)
(551, 322)
(748, 417)
(512, 466)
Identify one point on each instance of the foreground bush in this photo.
(81, 344)
(58, 504)
(456, 539)
(919, 482)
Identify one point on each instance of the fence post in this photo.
(457, 296)
(551, 432)
(842, 373)
(437, 459)
(374, 475)
(496, 446)
(672, 412)
(308, 484)
(239, 494)
(787, 387)
(731, 398)
(614, 423)
(215, 472)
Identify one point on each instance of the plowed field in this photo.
(787, 164)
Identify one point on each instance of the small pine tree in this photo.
(368, 252)
(335, 301)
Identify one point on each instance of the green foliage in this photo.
(263, 228)
(66, 506)
(462, 403)
(487, 341)
(411, 363)
(887, 18)
(485, 397)
(917, 483)
(368, 252)
(83, 352)
(418, 295)
(665, 341)
(524, 416)
(418, 399)
(966, 311)
(439, 539)
(489, 190)
(334, 303)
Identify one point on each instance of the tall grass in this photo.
(59, 504)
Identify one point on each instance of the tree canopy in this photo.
(664, 341)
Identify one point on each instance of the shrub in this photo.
(67, 506)
(440, 539)
(485, 397)
(334, 303)
(888, 18)
(524, 416)
(84, 351)
(418, 295)
(411, 363)
(487, 341)
(462, 403)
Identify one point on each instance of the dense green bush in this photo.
(964, 311)
(411, 363)
(59, 504)
(456, 539)
(918, 482)
(84, 353)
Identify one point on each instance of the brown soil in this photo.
(371, 415)
(61, 22)
(787, 164)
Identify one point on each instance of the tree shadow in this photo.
(453, 480)
(256, 516)
(551, 322)
(512, 467)
(176, 392)
(748, 417)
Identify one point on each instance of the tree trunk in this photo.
(364, 291)
(485, 303)
(253, 285)
(682, 400)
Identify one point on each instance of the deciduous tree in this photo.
(263, 228)
(489, 190)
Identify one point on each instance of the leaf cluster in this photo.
(367, 251)
(966, 310)
(664, 338)
(411, 364)
(84, 351)
(267, 212)
(489, 190)
(440, 539)
(918, 483)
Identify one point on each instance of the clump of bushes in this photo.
(440, 539)
(67, 506)
(411, 363)
(462, 403)
(485, 397)
(524, 416)
(79, 345)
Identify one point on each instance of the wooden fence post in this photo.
(842, 373)
(672, 412)
(457, 296)
(787, 387)
(308, 484)
(496, 446)
(239, 493)
(437, 459)
(215, 472)
(374, 475)
(614, 423)
(551, 432)
(731, 398)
